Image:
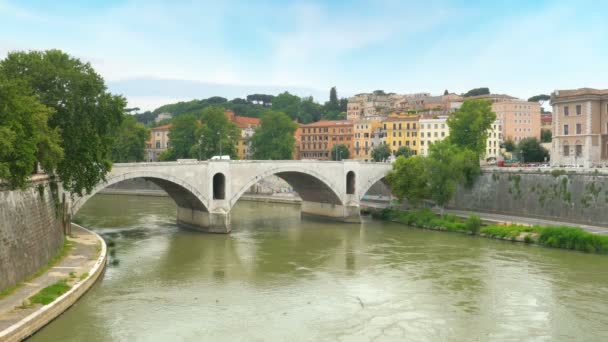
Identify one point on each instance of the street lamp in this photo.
(220, 139)
(200, 146)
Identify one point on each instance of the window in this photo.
(566, 152)
(578, 128)
(579, 150)
(158, 144)
(566, 111)
(565, 129)
(578, 110)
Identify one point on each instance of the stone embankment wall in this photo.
(30, 231)
(570, 196)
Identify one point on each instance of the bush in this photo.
(473, 224)
(573, 238)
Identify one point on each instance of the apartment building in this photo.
(367, 135)
(158, 142)
(368, 104)
(318, 138)
(495, 139)
(520, 119)
(401, 131)
(430, 131)
(580, 127)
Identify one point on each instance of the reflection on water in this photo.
(277, 277)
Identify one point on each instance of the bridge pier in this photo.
(208, 222)
(345, 213)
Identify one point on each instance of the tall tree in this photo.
(340, 152)
(542, 98)
(274, 139)
(446, 92)
(469, 125)
(219, 135)
(288, 104)
(381, 153)
(129, 141)
(85, 113)
(409, 180)
(183, 136)
(25, 137)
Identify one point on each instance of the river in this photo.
(277, 277)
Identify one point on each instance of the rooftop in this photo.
(579, 91)
(328, 123)
(163, 127)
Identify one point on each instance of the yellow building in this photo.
(364, 134)
(402, 131)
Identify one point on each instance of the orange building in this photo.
(158, 142)
(248, 126)
(318, 138)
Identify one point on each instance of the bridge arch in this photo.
(309, 184)
(380, 177)
(184, 194)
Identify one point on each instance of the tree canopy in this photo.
(274, 138)
(25, 137)
(477, 92)
(183, 136)
(469, 125)
(219, 135)
(381, 153)
(129, 141)
(86, 114)
(545, 135)
(531, 151)
(340, 152)
(540, 98)
(404, 151)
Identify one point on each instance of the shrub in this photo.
(473, 224)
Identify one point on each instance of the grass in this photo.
(65, 249)
(565, 237)
(84, 275)
(425, 218)
(48, 294)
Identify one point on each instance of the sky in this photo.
(157, 52)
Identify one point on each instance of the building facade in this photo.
(401, 131)
(318, 138)
(432, 130)
(580, 127)
(520, 119)
(365, 132)
(158, 142)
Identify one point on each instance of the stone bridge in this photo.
(206, 191)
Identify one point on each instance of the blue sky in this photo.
(161, 51)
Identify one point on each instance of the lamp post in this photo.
(220, 139)
(200, 146)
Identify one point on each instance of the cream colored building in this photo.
(158, 142)
(432, 130)
(495, 139)
(580, 127)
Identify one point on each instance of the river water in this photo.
(277, 277)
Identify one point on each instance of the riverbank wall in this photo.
(30, 230)
(555, 194)
(45, 314)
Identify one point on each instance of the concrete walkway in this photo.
(80, 260)
(502, 218)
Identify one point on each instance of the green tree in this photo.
(542, 98)
(532, 151)
(86, 115)
(404, 151)
(219, 135)
(477, 92)
(408, 179)
(340, 152)
(545, 135)
(469, 125)
(129, 141)
(334, 115)
(311, 111)
(333, 105)
(381, 153)
(509, 145)
(288, 104)
(274, 138)
(182, 136)
(25, 137)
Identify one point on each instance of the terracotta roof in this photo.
(245, 121)
(328, 123)
(162, 127)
